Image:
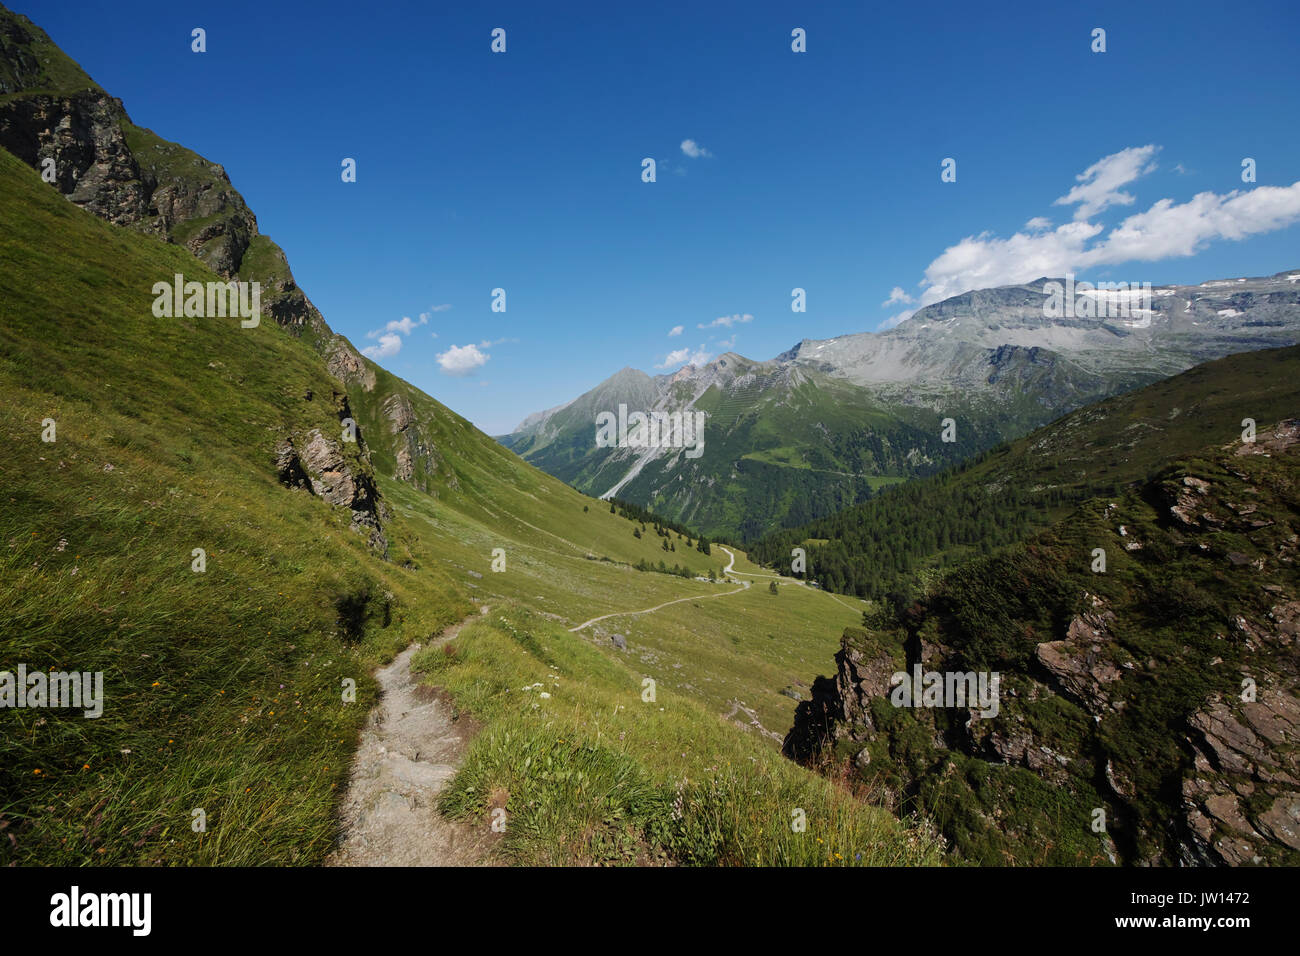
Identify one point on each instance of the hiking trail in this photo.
(410, 749)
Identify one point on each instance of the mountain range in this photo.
(825, 424)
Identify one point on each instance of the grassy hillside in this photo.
(30, 61)
(591, 771)
(224, 689)
(1023, 486)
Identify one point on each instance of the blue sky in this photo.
(818, 170)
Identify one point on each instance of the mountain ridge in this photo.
(856, 410)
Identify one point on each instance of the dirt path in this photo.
(782, 578)
(693, 597)
(729, 569)
(410, 749)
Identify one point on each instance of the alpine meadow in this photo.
(845, 470)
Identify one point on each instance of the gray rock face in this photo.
(839, 707)
(410, 445)
(288, 467)
(163, 192)
(1079, 665)
(345, 364)
(129, 176)
(966, 339)
(93, 165)
(321, 467)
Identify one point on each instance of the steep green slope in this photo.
(1148, 705)
(1017, 488)
(29, 60)
(223, 689)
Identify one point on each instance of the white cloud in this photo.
(727, 321)
(462, 359)
(896, 294)
(1168, 229)
(1099, 184)
(437, 308)
(694, 149)
(674, 357)
(727, 344)
(390, 336)
(675, 331)
(685, 356)
(389, 345)
(403, 325)
(983, 261)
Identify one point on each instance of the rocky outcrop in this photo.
(288, 467)
(320, 466)
(129, 176)
(124, 174)
(1185, 503)
(345, 364)
(1246, 791)
(410, 448)
(1079, 666)
(839, 707)
(1168, 694)
(81, 135)
(401, 417)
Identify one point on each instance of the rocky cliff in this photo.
(1148, 711)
